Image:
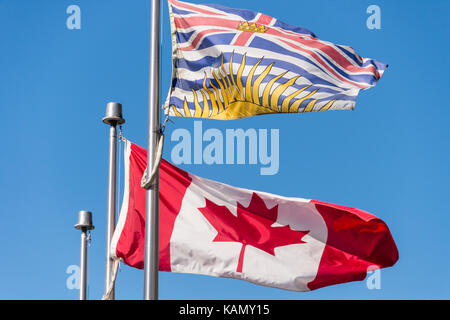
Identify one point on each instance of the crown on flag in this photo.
(245, 26)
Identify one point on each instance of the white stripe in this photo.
(346, 104)
(125, 200)
(257, 52)
(186, 74)
(181, 93)
(337, 105)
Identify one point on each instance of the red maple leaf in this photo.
(252, 226)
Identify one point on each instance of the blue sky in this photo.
(389, 156)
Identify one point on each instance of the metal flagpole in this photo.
(151, 211)
(113, 117)
(84, 224)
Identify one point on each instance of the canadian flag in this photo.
(207, 227)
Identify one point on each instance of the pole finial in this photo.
(84, 220)
(113, 114)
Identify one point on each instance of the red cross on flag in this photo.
(207, 227)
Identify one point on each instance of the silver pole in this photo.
(83, 264)
(84, 224)
(151, 211)
(113, 117)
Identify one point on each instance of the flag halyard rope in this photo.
(148, 180)
(108, 293)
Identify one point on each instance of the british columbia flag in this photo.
(233, 63)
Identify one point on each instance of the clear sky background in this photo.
(390, 156)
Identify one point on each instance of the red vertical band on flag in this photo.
(356, 240)
(173, 183)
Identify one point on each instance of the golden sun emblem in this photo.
(232, 99)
